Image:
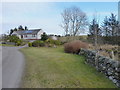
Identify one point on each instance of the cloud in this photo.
(33, 15)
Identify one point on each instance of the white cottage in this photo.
(29, 34)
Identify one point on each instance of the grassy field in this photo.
(52, 68)
(7, 45)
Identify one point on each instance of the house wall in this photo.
(14, 33)
(30, 36)
(111, 68)
(39, 34)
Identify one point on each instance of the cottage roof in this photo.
(24, 32)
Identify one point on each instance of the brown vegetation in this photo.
(107, 49)
(74, 46)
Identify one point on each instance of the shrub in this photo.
(57, 42)
(18, 43)
(74, 46)
(44, 36)
(38, 43)
(41, 43)
(30, 44)
(35, 43)
(51, 41)
(14, 39)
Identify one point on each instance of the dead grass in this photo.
(106, 50)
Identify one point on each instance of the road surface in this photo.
(12, 67)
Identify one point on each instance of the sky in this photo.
(47, 15)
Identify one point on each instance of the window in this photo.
(33, 35)
(21, 36)
(25, 35)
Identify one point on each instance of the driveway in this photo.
(12, 67)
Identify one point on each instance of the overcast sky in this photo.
(47, 16)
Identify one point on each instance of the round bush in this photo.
(38, 43)
(30, 44)
(41, 43)
(18, 43)
(74, 46)
(55, 42)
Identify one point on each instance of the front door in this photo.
(21, 36)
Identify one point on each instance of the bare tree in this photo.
(74, 21)
(66, 20)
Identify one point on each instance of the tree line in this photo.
(108, 32)
(75, 21)
(18, 29)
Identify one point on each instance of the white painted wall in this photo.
(39, 34)
(14, 33)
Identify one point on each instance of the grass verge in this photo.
(8, 45)
(52, 68)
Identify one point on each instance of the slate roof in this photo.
(24, 32)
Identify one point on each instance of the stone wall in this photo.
(109, 67)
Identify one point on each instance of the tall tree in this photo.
(20, 27)
(95, 33)
(94, 30)
(113, 24)
(111, 29)
(66, 21)
(74, 21)
(26, 28)
(11, 31)
(105, 27)
(15, 29)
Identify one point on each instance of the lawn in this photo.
(7, 45)
(52, 68)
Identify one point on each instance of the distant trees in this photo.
(105, 27)
(17, 29)
(74, 21)
(20, 27)
(94, 31)
(110, 26)
(108, 32)
(26, 28)
(111, 30)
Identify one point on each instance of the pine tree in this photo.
(20, 27)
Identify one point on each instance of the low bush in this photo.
(47, 43)
(57, 42)
(13, 38)
(54, 42)
(38, 43)
(16, 40)
(41, 44)
(18, 43)
(30, 44)
(74, 46)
